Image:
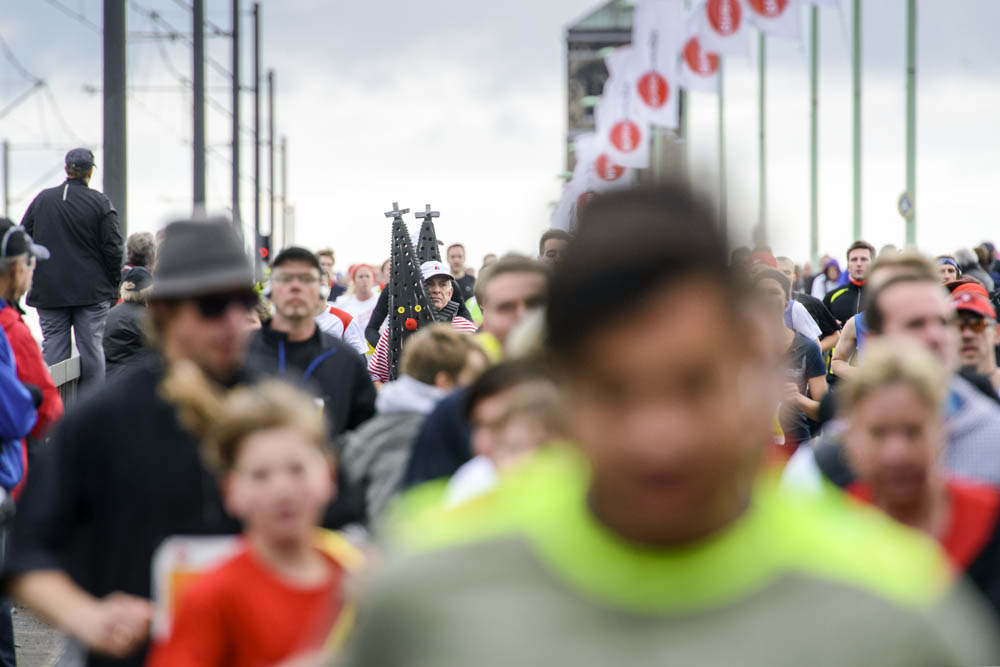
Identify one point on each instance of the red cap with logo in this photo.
(763, 257)
(973, 298)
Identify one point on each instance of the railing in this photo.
(66, 375)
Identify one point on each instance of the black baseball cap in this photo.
(296, 254)
(15, 241)
(80, 159)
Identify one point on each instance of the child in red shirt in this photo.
(281, 596)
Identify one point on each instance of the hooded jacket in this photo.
(79, 226)
(375, 455)
(123, 338)
(31, 367)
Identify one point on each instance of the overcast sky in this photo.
(462, 105)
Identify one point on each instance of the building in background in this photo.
(606, 27)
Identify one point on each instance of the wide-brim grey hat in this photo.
(199, 257)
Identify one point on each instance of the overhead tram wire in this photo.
(176, 35)
(80, 18)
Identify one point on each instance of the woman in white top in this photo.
(361, 300)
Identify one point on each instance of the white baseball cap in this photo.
(434, 268)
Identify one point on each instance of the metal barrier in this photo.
(66, 375)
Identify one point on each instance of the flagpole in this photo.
(722, 155)
(856, 83)
(814, 133)
(911, 118)
(762, 137)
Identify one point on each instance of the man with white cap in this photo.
(438, 283)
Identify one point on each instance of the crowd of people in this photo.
(634, 448)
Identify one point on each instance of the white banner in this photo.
(723, 27)
(622, 130)
(699, 67)
(657, 31)
(595, 169)
(779, 18)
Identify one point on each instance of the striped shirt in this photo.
(378, 365)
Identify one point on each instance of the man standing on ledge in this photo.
(75, 290)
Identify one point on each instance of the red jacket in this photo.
(31, 368)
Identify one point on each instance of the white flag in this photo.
(699, 67)
(780, 18)
(622, 131)
(564, 214)
(595, 169)
(657, 31)
(823, 3)
(723, 28)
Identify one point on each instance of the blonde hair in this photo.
(223, 420)
(438, 348)
(890, 362)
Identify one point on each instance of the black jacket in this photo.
(123, 338)
(119, 475)
(79, 226)
(328, 368)
(844, 302)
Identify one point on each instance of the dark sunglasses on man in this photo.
(214, 306)
(976, 324)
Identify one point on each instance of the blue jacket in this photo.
(17, 417)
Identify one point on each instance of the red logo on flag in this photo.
(584, 199)
(625, 136)
(724, 16)
(606, 169)
(769, 8)
(654, 90)
(699, 60)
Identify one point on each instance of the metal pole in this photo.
(723, 224)
(682, 103)
(270, 153)
(911, 118)
(856, 83)
(237, 218)
(284, 192)
(198, 78)
(256, 126)
(115, 153)
(656, 163)
(814, 133)
(6, 178)
(762, 136)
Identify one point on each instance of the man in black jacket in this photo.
(77, 287)
(121, 474)
(845, 302)
(292, 347)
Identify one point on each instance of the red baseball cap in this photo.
(763, 257)
(973, 298)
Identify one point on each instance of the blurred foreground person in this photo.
(436, 360)
(651, 542)
(513, 409)
(124, 332)
(895, 434)
(120, 473)
(281, 595)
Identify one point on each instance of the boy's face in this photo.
(280, 485)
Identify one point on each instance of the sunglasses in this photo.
(214, 306)
(976, 324)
